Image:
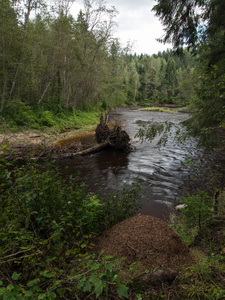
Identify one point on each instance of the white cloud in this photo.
(136, 23)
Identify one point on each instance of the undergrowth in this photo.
(202, 228)
(46, 227)
(19, 116)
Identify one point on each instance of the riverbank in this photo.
(47, 232)
(52, 258)
(40, 143)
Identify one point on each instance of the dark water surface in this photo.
(162, 172)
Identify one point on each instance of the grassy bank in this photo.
(24, 117)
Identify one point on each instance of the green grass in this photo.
(160, 109)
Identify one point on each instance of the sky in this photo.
(136, 23)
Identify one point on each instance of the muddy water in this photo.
(163, 173)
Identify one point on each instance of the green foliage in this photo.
(46, 119)
(208, 121)
(185, 25)
(201, 280)
(99, 274)
(46, 226)
(150, 132)
(24, 116)
(197, 212)
(199, 208)
(51, 207)
(54, 62)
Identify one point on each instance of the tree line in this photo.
(200, 26)
(53, 60)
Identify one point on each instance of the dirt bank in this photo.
(41, 143)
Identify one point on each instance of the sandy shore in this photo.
(38, 143)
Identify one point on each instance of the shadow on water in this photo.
(162, 173)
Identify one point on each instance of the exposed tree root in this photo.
(116, 138)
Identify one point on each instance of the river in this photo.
(162, 172)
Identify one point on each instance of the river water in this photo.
(163, 172)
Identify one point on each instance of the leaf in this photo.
(87, 286)
(42, 296)
(94, 265)
(98, 287)
(28, 293)
(122, 291)
(10, 287)
(51, 296)
(46, 274)
(33, 282)
(15, 276)
(5, 297)
(109, 267)
(80, 284)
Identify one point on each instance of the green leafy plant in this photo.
(46, 227)
(99, 275)
(198, 209)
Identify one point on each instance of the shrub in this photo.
(46, 226)
(199, 208)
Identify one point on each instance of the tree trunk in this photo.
(21, 52)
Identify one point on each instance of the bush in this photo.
(199, 208)
(20, 114)
(46, 226)
(46, 118)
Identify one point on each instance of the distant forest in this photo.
(50, 59)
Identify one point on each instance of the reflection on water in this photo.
(84, 138)
(162, 172)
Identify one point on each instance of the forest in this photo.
(52, 63)
(61, 72)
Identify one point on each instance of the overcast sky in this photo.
(136, 23)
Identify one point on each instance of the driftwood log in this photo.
(115, 138)
(93, 149)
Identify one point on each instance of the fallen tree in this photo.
(116, 138)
